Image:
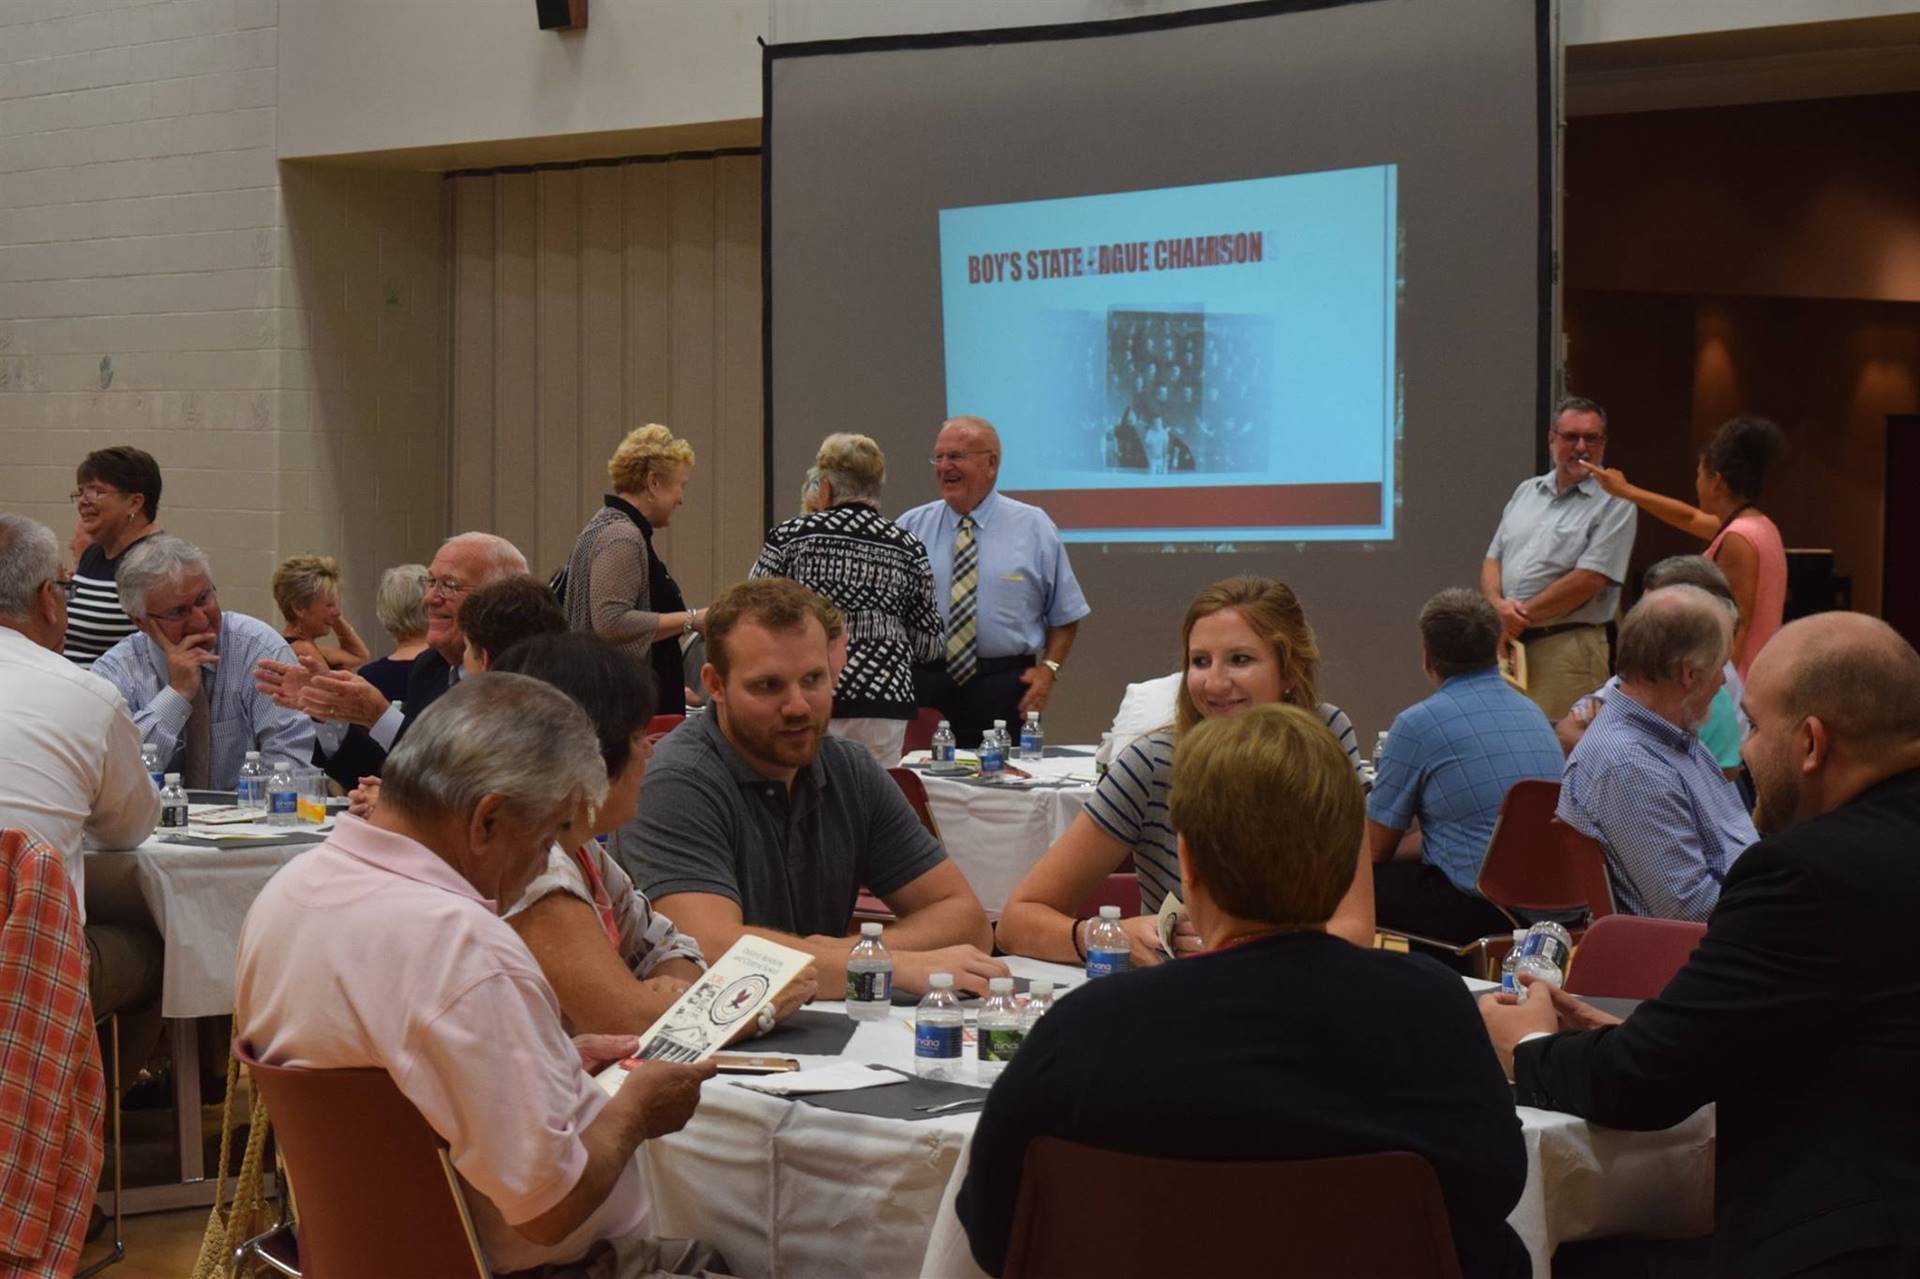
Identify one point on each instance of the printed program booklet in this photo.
(728, 995)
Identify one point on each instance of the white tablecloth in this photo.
(995, 833)
(199, 898)
(787, 1189)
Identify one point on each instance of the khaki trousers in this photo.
(1566, 666)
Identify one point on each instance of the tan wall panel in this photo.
(515, 359)
(556, 460)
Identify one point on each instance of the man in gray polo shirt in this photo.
(754, 820)
(1555, 564)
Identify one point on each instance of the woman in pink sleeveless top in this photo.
(1740, 538)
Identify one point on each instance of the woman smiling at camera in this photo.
(1247, 644)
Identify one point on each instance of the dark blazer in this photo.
(359, 755)
(1298, 1046)
(1800, 1016)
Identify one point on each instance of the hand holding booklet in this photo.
(728, 995)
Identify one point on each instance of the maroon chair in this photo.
(660, 725)
(1359, 1215)
(916, 792)
(1122, 889)
(1630, 957)
(920, 731)
(374, 1190)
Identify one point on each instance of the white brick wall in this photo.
(272, 334)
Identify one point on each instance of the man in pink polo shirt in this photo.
(384, 947)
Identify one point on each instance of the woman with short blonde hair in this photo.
(877, 575)
(307, 589)
(614, 585)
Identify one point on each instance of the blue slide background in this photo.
(1315, 321)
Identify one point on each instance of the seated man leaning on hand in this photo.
(384, 947)
(1279, 1041)
(756, 821)
(1641, 782)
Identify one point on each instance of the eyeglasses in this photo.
(941, 459)
(65, 585)
(1594, 440)
(198, 602)
(445, 585)
(92, 492)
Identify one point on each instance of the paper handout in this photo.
(1171, 909)
(728, 995)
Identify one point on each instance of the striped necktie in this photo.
(963, 599)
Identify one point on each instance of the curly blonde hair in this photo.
(854, 465)
(647, 450)
(301, 579)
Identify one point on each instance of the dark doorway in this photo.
(1900, 590)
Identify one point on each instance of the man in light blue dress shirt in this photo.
(1642, 783)
(188, 675)
(1028, 603)
(1554, 567)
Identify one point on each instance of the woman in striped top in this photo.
(1247, 644)
(118, 496)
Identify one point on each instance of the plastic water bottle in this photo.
(173, 803)
(250, 792)
(150, 756)
(993, 749)
(1108, 950)
(937, 1031)
(1543, 956)
(940, 751)
(1033, 742)
(1002, 1029)
(283, 796)
(1508, 982)
(1039, 1001)
(1379, 751)
(869, 977)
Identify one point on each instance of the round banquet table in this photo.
(783, 1188)
(996, 831)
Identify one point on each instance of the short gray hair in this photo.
(497, 734)
(1674, 629)
(400, 603)
(29, 555)
(1690, 570)
(503, 558)
(155, 560)
(854, 465)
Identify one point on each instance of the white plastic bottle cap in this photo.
(173, 779)
(1000, 985)
(999, 723)
(870, 929)
(940, 981)
(281, 766)
(252, 756)
(1040, 986)
(1109, 912)
(944, 724)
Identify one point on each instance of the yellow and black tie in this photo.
(964, 598)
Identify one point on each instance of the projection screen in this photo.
(1260, 289)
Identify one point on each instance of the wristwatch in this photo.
(1050, 664)
(692, 615)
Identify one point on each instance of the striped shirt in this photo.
(244, 719)
(95, 620)
(1654, 796)
(877, 574)
(1130, 804)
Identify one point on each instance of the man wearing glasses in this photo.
(187, 674)
(1554, 567)
(358, 725)
(1008, 598)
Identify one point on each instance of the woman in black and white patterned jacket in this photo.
(874, 572)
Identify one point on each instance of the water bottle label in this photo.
(252, 793)
(870, 988)
(991, 761)
(173, 815)
(285, 802)
(1547, 947)
(936, 1041)
(159, 780)
(1105, 963)
(1030, 746)
(1509, 983)
(1000, 1044)
(943, 754)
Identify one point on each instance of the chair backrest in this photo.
(916, 792)
(1292, 1218)
(660, 725)
(1122, 889)
(1630, 957)
(374, 1192)
(920, 730)
(1539, 865)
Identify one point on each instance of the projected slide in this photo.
(1205, 364)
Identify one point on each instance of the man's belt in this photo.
(1533, 633)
